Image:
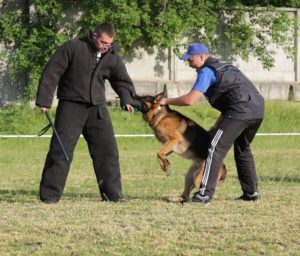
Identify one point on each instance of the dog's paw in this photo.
(165, 169)
(184, 199)
(176, 199)
(164, 164)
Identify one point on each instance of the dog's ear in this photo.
(165, 92)
(158, 97)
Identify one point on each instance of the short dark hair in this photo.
(105, 28)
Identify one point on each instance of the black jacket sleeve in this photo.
(51, 75)
(122, 84)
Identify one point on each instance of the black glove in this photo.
(126, 97)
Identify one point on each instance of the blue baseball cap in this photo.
(194, 49)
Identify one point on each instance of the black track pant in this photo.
(229, 132)
(72, 120)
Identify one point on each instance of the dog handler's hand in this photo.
(129, 108)
(163, 101)
(44, 109)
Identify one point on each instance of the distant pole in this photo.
(297, 46)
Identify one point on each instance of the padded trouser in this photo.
(72, 120)
(229, 132)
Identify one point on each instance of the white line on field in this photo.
(279, 134)
(139, 135)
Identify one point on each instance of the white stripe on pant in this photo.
(209, 160)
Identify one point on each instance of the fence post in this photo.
(172, 65)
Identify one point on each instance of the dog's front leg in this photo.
(163, 161)
(162, 154)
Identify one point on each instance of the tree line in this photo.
(31, 33)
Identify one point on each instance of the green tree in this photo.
(30, 38)
(32, 35)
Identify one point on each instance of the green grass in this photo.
(148, 223)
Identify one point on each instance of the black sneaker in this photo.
(49, 202)
(249, 197)
(197, 198)
(120, 198)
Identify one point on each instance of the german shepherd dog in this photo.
(181, 135)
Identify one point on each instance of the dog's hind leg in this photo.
(193, 178)
(199, 174)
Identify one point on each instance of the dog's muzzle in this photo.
(141, 108)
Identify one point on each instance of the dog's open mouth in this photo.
(141, 108)
(142, 105)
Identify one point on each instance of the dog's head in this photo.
(151, 103)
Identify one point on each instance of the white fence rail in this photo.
(138, 135)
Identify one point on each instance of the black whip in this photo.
(45, 129)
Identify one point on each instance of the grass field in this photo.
(148, 223)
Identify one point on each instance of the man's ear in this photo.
(95, 35)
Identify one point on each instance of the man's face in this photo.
(103, 42)
(197, 61)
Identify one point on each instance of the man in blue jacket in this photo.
(242, 110)
(78, 70)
